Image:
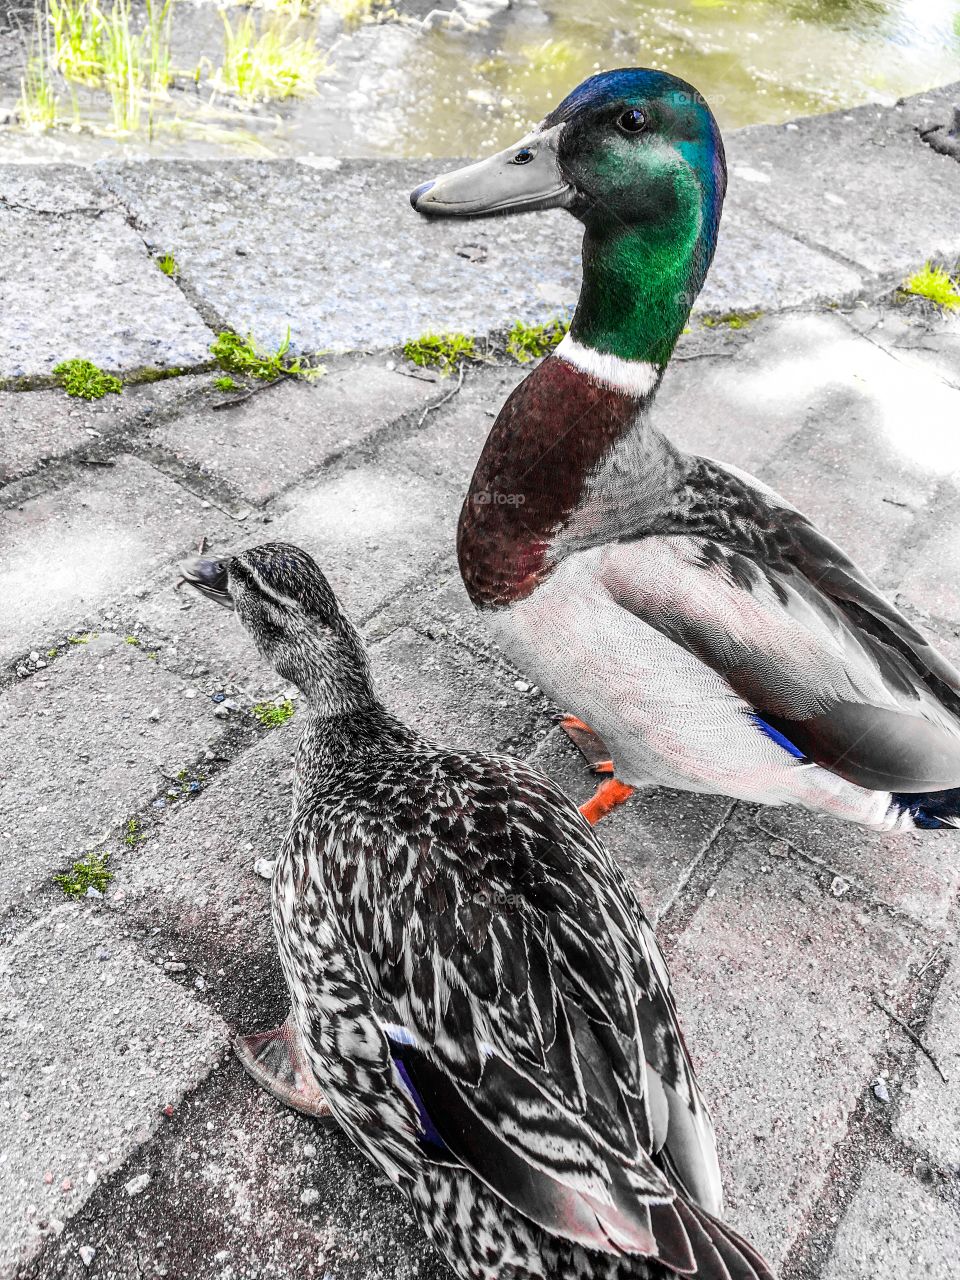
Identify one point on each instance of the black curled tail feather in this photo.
(931, 810)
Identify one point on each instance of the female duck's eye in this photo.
(523, 157)
(632, 121)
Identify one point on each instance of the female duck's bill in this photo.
(210, 577)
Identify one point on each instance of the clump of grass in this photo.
(84, 380)
(168, 265)
(38, 105)
(529, 341)
(731, 319)
(131, 639)
(95, 46)
(266, 59)
(936, 285)
(85, 639)
(226, 383)
(89, 873)
(273, 714)
(245, 355)
(444, 351)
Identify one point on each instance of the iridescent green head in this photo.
(636, 155)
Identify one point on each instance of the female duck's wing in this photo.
(760, 596)
(527, 1007)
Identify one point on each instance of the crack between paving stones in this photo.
(816, 247)
(891, 352)
(675, 903)
(870, 1135)
(860, 892)
(207, 313)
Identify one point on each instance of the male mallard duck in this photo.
(475, 993)
(709, 635)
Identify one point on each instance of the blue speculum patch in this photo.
(776, 736)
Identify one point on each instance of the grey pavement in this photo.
(822, 209)
(133, 1144)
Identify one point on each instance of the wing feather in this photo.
(802, 638)
(544, 1042)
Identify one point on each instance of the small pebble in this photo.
(265, 867)
(521, 686)
(309, 1151)
(87, 1254)
(309, 1196)
(189, 693)
(66, 1185)
(839, 886)
(48, 1177)
(154, 715)
(93, 893)
(137, 1184)
(174, 966)
(880, 1089)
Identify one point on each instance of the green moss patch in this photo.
(245, 355)
(530, 341)
(443, 351)
(731, 319)
(89, 873)
(274, 714)
(936, 285)
(85, 380)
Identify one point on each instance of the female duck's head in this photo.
(636, 155)
(286, 604)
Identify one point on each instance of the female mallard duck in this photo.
(474, 990)
(707, 633)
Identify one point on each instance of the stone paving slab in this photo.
(372, 529)
(840, 181)
(772, 978)
(83, 743)
(929, 1114)
(285, 432)
(370, 273)
(52, 189)
(86, 1024)
(930, 566)
(448, 444)
(454, 697)
(64, 554)
(75, 285)
(243, 1189)
(916, 333)
(522, 268)
(895, 1227)
(759, 267)
(42, 426)
(917, 873)
(193, 878)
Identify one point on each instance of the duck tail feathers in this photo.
(931, 810)
(719, 1252)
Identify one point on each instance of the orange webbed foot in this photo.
(608, 795)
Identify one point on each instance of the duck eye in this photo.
(632, 121)
(523, 157)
